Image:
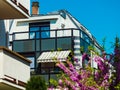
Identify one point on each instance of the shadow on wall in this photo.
(2, 34)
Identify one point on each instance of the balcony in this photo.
(14, 70)
(44, 34)
(36, 40)
(12, 9)
(47, 40)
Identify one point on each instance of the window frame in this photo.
(38, 33)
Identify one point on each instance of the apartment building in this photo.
(39, 37)
(14, 68)
(10, 10)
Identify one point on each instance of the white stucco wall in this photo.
(56, 22)
(16, 67)
(13, 67)
(67, 22)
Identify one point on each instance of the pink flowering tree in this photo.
(86, 78)
(106, 76)
(115, 85)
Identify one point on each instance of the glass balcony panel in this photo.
(52, 34)
(67, 33)
(48, 44)
(64, 43)
(24, 46)
(38, 45)
(63, 33)
(21, 36)
(76, 33)
(60, 33)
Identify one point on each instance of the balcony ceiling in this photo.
(9, 10)
(4, 86)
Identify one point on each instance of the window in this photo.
(84, 44)
(85, 37)
(39, 30)
(34, 32)
(45, 32)
(32, 65)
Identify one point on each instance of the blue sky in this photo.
(100, 17)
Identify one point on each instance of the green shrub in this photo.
(36, 83)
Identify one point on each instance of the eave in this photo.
(9, 9)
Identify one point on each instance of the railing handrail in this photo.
(56, 30)
(46, 30)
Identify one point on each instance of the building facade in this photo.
(40, 34)
(10, 10)
(14, 68)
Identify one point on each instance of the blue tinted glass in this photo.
(37, 34)
(32, 35)
(33, 32)
(45, 34)
(45, 28)
(32, 65)
(34, 28)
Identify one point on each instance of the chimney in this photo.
(35, 8)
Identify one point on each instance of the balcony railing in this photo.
(44, 34)
(57, 38)
(36, 40)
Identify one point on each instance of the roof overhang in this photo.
(54, 56)
(9, 9)
(40, 18)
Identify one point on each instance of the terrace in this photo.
(47, 39)
(32, 43)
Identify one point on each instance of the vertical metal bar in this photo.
(56, 39)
